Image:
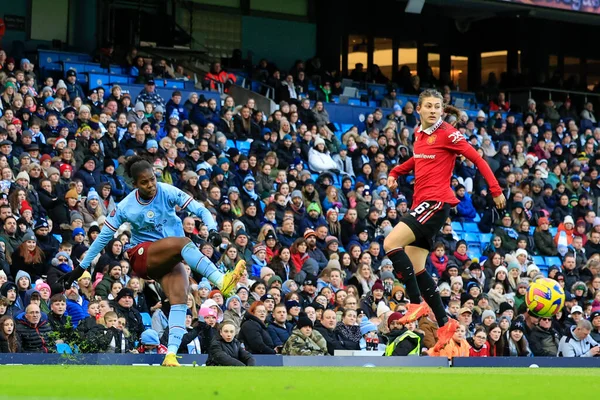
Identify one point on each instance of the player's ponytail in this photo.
(136, 165)
(453, 113)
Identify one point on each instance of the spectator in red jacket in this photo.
(479, 344)
(216, 76)
(500, 104)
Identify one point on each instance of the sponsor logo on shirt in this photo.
(425, 156)
(455, 137)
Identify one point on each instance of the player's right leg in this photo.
(401, 236)
(165, 253)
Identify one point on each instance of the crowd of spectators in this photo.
(307, 208)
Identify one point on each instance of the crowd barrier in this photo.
(299, 361)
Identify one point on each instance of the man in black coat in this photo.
(326, 328)
(46, 242)
(544, 339)
(34, 330)
(280, 329)
(124, 308)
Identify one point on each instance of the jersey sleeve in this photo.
(458, 144)
(403, 168)
(177, 197)
(112, 223)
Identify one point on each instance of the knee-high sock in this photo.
(431, 295)
(176, 326)
(201, 264)
(404, 267)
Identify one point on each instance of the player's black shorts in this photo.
(425, 220)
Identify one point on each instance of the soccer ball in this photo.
(545, 297)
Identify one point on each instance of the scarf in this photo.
(461, 258)
(349, 333)
(64, 267)
(252, 193)
(511, 232)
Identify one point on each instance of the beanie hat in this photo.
(303, 321)
(313, 207)
(259, 247)
(51, 171)
(22, 274)
(387, 275)
(513, 265)
(296, 193)
(308, 233)
(139, 106)
(456, 279)
(23, 175)
(93, 195)
(378, 285)
(76, 215)
(85, 274)
(444, 286)
(334, 262)
(42, 285)
(517, 325)
(25, 206)
(204, 284)
(72, 194)
(568, 219)
(395, 316)
(488, 313)
(366, 326)
(285, 287)
(125, 292)
(505, 307)
(273, 279)
(531, 268)
(264, 271)
(78, 231)
(231, 298)
(213, 293)
(150, 337)
(382, 308)
(65, 167)
(500, 269)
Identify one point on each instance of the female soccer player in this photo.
(437, 144)
(158, 245)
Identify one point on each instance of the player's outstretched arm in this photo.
(399, 170)
(464, 148)
(105, 236)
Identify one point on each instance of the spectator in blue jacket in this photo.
(280, 329)
(77, 306)
(175, 105)
(465, 211)
(87, 174)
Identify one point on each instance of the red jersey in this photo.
(435, 152)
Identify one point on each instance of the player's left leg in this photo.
(176, 286)
(427, 286)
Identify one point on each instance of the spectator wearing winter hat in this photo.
(61, 265)
(371, 301)
(150, 343)
(29, 257)
(90, 209)
(305, 341)
(88, 174)
(516, 344)
(233, 311)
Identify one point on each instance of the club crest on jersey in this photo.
(431, 139)
(150, 214)
(113, 212)
(141, 251)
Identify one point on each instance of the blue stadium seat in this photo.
(539, 261)
(230, 143)
(146, 320)
(544, 270)
(486, 238)
(531, 230)
(472, 239)
(550, 261)
(346, 127)
(477, 218)
(243, 147)
(475, 252)
(457, 227)
(553, 231)
(471, 227)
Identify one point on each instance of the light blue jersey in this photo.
(150, 221)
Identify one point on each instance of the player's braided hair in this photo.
(136, 165)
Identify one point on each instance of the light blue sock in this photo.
(176, 326)
(199, 263)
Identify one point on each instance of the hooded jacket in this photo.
(253, 333)
(570, 346)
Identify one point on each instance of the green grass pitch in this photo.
(122, 382)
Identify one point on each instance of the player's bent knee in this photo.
(389, 244)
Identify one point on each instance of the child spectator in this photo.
(227, 351)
